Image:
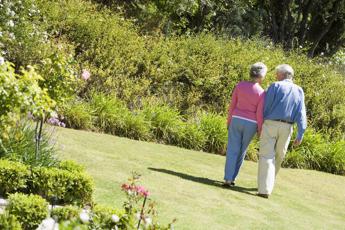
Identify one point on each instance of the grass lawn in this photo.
(185, 185)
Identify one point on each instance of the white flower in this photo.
(138, 216)
(12, 36)
(148, 221)
(322, 54)
(2, 60)
(10, 23)
(54, 114)
(115, 218)
(0, 34)
(84, 217)
(48, 223)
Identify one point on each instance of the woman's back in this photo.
(247, 102)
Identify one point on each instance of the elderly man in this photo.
(283, 106)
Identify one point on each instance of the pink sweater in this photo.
(247, 102)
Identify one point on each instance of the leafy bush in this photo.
(310, 154)
(71, 166)
(59, 70)
(214, 127)
(65, 186)
(110, 113)
(136, 126)
(253, 149)
(30, 210)
(24, 38)
(20, 94)
(21, 146)
(166, 123)
(65, 213)
(112, 116)
(102, 218)
(192, 137)
(9, 222)
(186, 72)
(13, 177)
(334, 161)
(77, 114)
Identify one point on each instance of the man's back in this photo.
(284, 100)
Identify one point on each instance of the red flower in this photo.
(126, 187)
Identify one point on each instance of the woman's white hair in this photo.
(286, 70)
(258, 70)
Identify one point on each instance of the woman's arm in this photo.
(232, 105)
(260, 112)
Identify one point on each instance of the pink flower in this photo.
(142, 191)
(139, 190)
(85, 75)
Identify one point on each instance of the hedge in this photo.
(61, 186)
(30, 210)
(13, 177)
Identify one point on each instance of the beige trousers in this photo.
(274, 142)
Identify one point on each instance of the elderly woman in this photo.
(245, 118)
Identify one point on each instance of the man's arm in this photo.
(301, 120)
(269, 98)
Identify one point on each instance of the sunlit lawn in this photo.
(185, 185)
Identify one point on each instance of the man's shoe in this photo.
(263, 195)
(229, 184)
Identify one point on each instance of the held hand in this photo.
(297, 142)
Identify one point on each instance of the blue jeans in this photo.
(240, 133)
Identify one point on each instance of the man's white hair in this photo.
(286, 70)
(258, 70)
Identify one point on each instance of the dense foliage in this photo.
(173, 90)
(317, 25)
(21, 145)
(19, 95)
(60, 186)
(29, 210)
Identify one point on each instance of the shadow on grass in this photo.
(206, 181)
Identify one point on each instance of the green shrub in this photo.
(186, 71)
(192, 137)
(21, 146)
(77, 114)
(334, 161)
(310, 154)
(30, 210)
(253, 149)
(109, 113)
(71, 166)
(102, 218)
(112, 116)
(20, 94)
(24, 37)
(9, 222)
(65, 186)
(166, 123)
(214, 127)
(65, 213)
(68, 184)
(13, 177)
(136, 127)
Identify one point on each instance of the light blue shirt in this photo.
(284, 100)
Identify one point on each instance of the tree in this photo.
(317, 24)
